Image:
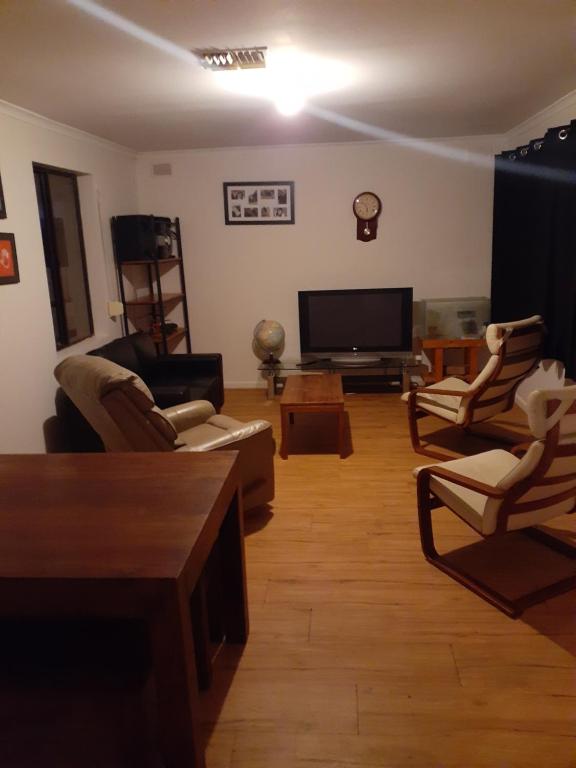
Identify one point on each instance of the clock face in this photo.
(367, 206)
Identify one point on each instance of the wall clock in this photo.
(367, 206)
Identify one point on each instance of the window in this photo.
(61, 224)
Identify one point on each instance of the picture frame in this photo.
(8, 259)
(3, 214)
(259, 202)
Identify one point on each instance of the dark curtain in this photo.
(534, 239)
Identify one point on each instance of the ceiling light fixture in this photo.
(289, 104)
(289, 80)
(218, 59)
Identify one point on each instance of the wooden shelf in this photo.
(155, 305)
(152, 300)
(464, 343)
(171, 260)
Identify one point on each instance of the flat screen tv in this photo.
(355, 325)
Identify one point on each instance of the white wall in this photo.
(27, 347)
(561, 112)
(434, 233)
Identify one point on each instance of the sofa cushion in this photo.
(122, 352)
(144, 347)
(202, 388)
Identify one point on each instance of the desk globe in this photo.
(268, 341)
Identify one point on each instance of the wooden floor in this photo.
(362, 654)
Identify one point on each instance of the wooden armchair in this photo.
(515, 351)
(497, 492)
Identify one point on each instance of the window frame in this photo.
(51, 257)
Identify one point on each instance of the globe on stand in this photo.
(268, 341)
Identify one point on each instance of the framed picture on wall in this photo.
(259, 202)
(8, 260)
(3, 213)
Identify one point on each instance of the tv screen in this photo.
(372, 320)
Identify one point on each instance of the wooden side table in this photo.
(437, 347)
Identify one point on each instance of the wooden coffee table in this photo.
(320, 393)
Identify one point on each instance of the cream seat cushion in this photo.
(445, 406)
(476, 509)
(498, 469)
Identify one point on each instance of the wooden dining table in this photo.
(128, 535)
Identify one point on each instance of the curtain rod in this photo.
(560, 132)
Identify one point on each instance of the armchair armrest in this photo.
(433, 391)
(520, 448)
(187, 415)
(426, 473)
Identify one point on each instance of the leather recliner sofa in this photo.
(120, 407)
(172, 379)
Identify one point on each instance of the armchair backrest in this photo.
(516, 349)
(117, 404)
(543, 483)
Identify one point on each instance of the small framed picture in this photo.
(8, 260)
(3, 213)
(259, 202)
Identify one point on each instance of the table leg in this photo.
(341, 433)
(201, 633)
(176, 682)
(405, 380)
(233, 566)
(285, 427)
(270, 386)
(438, 364)
(472, 363)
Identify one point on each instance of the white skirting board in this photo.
(244, 384)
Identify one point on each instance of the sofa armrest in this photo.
(227, 432)
(188, 415)
(239, 430)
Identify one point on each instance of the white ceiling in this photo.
(421, 67)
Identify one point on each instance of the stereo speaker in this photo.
(142, 238)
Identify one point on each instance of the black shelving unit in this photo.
(157, 301)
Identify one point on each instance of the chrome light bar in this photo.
(232, 58)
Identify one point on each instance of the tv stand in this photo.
(377, 374)
(354, 361)
(307, 363)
